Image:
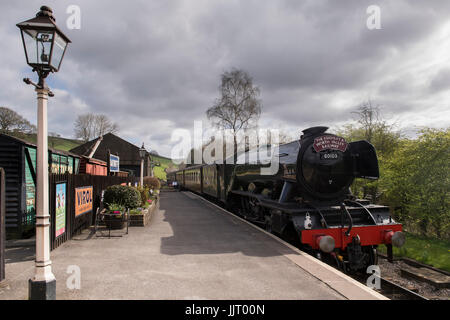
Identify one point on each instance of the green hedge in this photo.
(127, 196)
(145, 193)
(152, 183)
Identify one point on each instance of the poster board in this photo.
(60, 208)
(83, 200)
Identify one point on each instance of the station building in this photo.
(110, 144)
(18, 158)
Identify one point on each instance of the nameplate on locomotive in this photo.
(330, 142)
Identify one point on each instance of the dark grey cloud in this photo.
(154, 66)
(441, 81)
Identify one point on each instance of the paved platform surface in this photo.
(190, 250)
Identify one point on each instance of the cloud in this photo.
(441, 81)
(154, 66)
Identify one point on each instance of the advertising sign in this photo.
(29, 182)
(60, 198)
(114, 162)
(83, 200)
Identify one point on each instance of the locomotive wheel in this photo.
(371, 259)
(250, 209)
(373, 256)
(291, 236)
(268, 224)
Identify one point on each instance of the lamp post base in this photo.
(4, 284)
(42, 290)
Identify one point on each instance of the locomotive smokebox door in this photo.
(366, 161)
(324, 168)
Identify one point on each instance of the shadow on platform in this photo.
(201, 228)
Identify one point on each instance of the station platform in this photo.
(192, 249)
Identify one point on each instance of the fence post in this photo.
(2, 226)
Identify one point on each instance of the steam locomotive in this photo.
(308, 201)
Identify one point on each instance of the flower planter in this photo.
(114, 220)
(141, 220)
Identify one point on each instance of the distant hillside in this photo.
(57, 143)
(164, 162)
(64, 144)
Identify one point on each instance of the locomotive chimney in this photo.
(312, 132)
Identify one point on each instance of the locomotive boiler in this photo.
(308, 201)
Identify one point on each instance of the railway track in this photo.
(388, 288)
(422, 279)
(396, 292)
(391, 289)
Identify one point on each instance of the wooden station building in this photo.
(110, 144)
(18, 158)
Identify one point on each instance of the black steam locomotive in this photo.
(308, 200)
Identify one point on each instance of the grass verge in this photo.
(431, 251)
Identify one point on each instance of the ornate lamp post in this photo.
(142, 153)
(44, 46)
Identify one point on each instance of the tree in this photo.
(417, 183)
(368, 118)
(89, 126)
(12, 122)
(102, 125)
(238, 108)
(371, 126)
(83, 126)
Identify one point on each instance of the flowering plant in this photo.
(116, 208)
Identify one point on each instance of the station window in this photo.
(63, 164)
(55, 163)
(76, 164)
(70, 165)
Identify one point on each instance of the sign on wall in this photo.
(29, 182)
(83, 200)
(60, 198)
(114, 162)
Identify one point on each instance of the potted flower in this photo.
(114, 217)
(118, 199)
(141, 215)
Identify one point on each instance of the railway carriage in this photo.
(193, 178)
(308, 201)
(210, 183)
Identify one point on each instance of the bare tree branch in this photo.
(238, 107)
(89, 126)
(11, 121)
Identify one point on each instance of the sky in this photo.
(154, 66)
